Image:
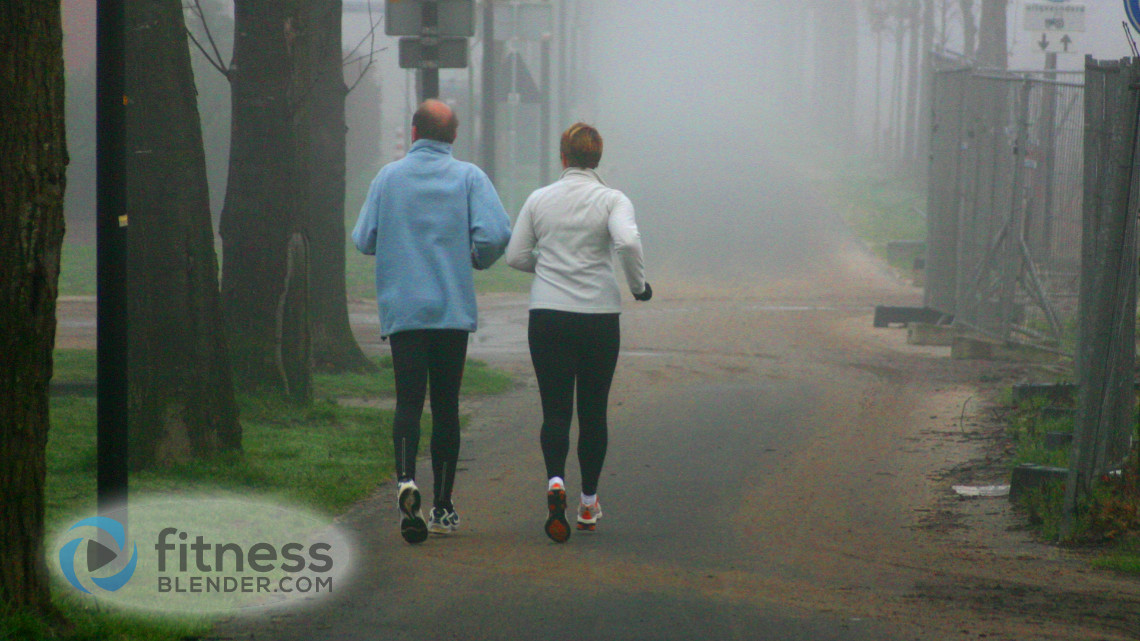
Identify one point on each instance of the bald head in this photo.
(434, 120)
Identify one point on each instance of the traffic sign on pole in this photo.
(1054, 15)
(433, 53)
(405, 18)
(1132, 8)
(1057, 43)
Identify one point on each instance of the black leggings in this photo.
(417, 356)
(574, 350)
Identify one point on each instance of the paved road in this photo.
(720, 386)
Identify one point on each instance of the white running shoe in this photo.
(443, 521)
(412, 525)
(588, 516)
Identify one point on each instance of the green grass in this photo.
(879, 204)
(326, 457)
(1110, 517)
(77, 269)
(1124, 557)
(1027, 430)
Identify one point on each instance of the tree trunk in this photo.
(993, 41)
(181, 390)
(969, 28)
(262, 205)
(913, 61)
(33, 162)
(320, 90)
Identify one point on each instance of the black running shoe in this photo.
(412, 525)
(557, 528)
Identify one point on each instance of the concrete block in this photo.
(1028, 477)
(885, 315)
(967, 348)
(1060, 394)
(1058, 440)
(928, 334)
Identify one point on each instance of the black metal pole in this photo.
(111, 260)
(487, 140)
(429, 76)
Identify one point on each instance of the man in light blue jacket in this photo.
(429, 219)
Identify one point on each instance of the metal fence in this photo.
(1005, 203)
(1033, 194)
(1106, 358)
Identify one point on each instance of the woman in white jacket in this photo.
(566, 235)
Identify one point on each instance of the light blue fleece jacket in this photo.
(428, 219)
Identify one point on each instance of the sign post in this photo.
(436, 33)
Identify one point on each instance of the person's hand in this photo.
(644, 295)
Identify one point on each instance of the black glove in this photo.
(645, 295)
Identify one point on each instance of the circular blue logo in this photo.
(1132, 8)
(98, 555)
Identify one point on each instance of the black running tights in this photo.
(418, 356)
(571, 350)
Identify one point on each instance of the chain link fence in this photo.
(1005, 203)
(1032, 207)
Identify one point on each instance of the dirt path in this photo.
(778, 469)
(776, 465)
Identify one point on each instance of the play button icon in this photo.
(99, 555)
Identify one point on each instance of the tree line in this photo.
(275, 309)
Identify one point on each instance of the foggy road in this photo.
(773, 461)
(769, 473)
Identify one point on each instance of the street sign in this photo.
(406, 18)
(433, 53)
(1054, 16)
(1057, 43)
(1132, 8)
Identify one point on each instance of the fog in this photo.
(707, 109)
(698, 111)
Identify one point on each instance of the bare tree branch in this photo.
(372, 50)
(216, 59)
(215, 63)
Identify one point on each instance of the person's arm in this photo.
(367, 223)
(490, 225)
(627, 242)
(520, 251)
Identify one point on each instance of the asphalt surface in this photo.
(716, 389)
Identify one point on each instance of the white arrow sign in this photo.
(1056, 43)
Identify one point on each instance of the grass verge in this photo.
(1108, 520)
(325, 457)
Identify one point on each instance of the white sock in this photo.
(589, 499)
(555, 480)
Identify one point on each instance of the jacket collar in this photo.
(430, 145)
(582, 172)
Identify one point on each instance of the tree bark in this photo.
(263, 200)
(181, 390)
(912, 81)
(993, 40)
(320, 90)
(33, 162)
(969, 28)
